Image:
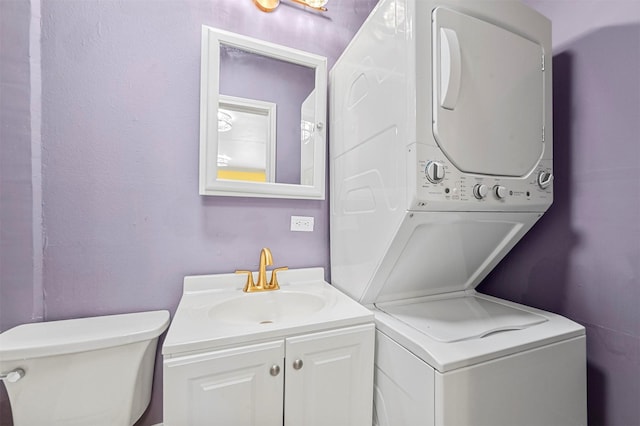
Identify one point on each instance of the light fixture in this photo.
(307, 129)
(224, 121)
(316, 4)
(271, 5)
(223, 160)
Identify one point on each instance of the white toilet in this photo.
(92, 371)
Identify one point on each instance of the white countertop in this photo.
(194, 327)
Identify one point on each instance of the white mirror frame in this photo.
(209, 183)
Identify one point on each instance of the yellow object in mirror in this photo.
(242, 175)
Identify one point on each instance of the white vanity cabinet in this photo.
(329, 378)
(298, 356)
(314, 379)
(225, 387)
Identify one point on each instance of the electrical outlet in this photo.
(302, 223)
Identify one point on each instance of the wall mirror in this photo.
(262, 118)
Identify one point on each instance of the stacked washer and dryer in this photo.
(441, 160)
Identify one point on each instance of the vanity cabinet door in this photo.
(240, 386)
(329, 378)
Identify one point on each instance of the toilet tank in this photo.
(92, 371)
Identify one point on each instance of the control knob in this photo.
(434, 171)
(544, 179)
(480, 191)
(500, 191)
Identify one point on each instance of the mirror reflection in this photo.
(307, 129)
(246, 74)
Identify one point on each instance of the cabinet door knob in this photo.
(297, 364)
(274, 370)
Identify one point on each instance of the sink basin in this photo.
(214, 312)
(267, 308)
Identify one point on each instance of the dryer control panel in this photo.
(440, 185)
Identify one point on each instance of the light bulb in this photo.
(316, 3)
(224, 121)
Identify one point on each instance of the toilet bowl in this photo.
(92, 371)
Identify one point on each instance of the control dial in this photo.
(434, 171)
(500, 191)
(544, 179)
(480, 191)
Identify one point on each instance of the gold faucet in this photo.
(266, 259)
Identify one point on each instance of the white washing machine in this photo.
(441, 160)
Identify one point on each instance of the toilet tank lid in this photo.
(50, 338)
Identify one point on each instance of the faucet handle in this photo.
(250, 285)
(273, 284)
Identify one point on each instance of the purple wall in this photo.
(16, 223)
(123, 221)
(20, 260)
(123, 218)
(582, 260)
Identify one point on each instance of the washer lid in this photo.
(50, 338)
(488, 95)
(461, 318)
(444, 252)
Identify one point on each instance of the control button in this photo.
(480, 191)
(434, 171)
(544, 179)
(500, 191)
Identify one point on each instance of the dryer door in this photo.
(488, 95)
